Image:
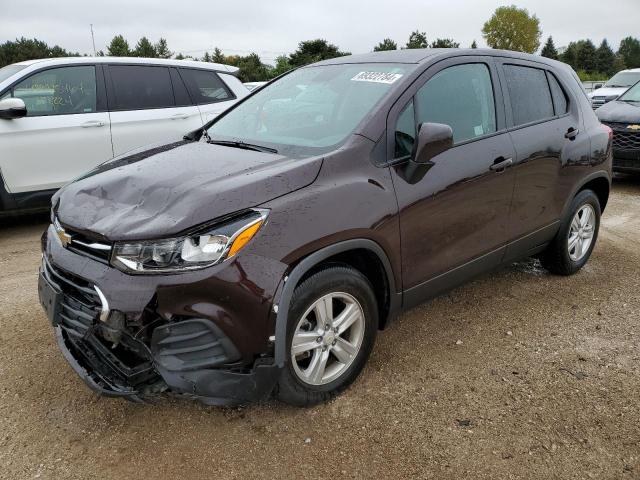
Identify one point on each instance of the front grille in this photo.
(80, 304)
(624, 140)
(597, 102)
(90, 247)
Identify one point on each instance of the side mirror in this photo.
(12, 108)
(433, 139)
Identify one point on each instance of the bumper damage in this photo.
(189, 357)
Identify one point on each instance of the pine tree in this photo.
(206, 57)
(417, 39)
(386, 44)
(445, 43)
(586, 56)
(144, 48)
(474, 44)
(119, 47)
(162, 50)
(549, 49)
(630, 52)
(605, 59)
(218, 56)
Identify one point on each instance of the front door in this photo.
(65, 132)
(453, 222)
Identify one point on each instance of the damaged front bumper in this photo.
(190, 357)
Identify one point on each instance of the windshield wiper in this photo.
(243, 145)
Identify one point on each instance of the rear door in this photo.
(65, 132)
(148, 104)
(453, 222)
(207, 89)
(545, 126)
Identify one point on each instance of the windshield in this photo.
(631, 95)
(310, 109)
(623, 79)
(6, 72)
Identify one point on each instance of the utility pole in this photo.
(93, 40)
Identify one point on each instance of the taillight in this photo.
(609, 131)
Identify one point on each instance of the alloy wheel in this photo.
(327, 338)
(581, 232)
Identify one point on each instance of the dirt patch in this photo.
(517, 375)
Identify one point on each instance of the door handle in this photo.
(572, 133)
(179, 116)
(93, 123)
(500, 164)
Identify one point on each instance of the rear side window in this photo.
(205, 86)
(559, 95)
(179, 90)
(59, 91)
(461, 97)
(141, 87)
(529, 94)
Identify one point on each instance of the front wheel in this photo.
(572, 246)
(333, 320)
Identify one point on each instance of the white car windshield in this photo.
(623, 79)
(310, 109)
(631, 95)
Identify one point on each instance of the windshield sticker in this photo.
(377, 77)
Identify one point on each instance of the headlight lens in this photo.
(199, 250)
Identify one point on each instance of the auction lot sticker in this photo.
(377, 77)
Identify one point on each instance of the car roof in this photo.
(43, 62)
(423, 55)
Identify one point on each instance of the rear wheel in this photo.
(333, 322)
(577, 236)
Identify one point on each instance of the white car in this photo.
(616, 86)
(253, 85)
(61, 117)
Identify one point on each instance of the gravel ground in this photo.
(517, 375)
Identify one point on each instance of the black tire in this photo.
(291, 388)
(556, 258)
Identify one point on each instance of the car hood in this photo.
(608, 92)
(162, 191)
(619, 112)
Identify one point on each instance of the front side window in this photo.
(529, 94)
(141, 87)
(58, 91)
(461, 97)
(405, 132)
(205, 87)
(312, 109)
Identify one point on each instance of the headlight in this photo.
(198, 250)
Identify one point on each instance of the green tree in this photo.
(570, 55)
(618, 64)
(445, 43)
(474, 44)
(605, 59)
(282, 66)
(417, 39)
(311, 51)
(512, 28)
(144, 48)
(218, 56)
(630, 52)
(386, 44)
(162, 50)
(180, 57)
(586, 56)
(29, 49)
(118, 47)
(549, 50)
(206, 57)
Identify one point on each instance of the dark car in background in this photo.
(262, 254)
(623, 117)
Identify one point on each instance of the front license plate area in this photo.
(49, 298)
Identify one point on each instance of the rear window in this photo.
(205, 87)
(559, 95)
(529, 94)
(141, 87)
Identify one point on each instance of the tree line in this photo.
(509, 28)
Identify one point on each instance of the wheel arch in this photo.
(355, 253)
(599, 182)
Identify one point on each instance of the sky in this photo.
(272, 28)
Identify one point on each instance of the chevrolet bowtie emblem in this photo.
(633, 127)
(64, 237)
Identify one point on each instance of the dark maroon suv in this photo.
(261, 255)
